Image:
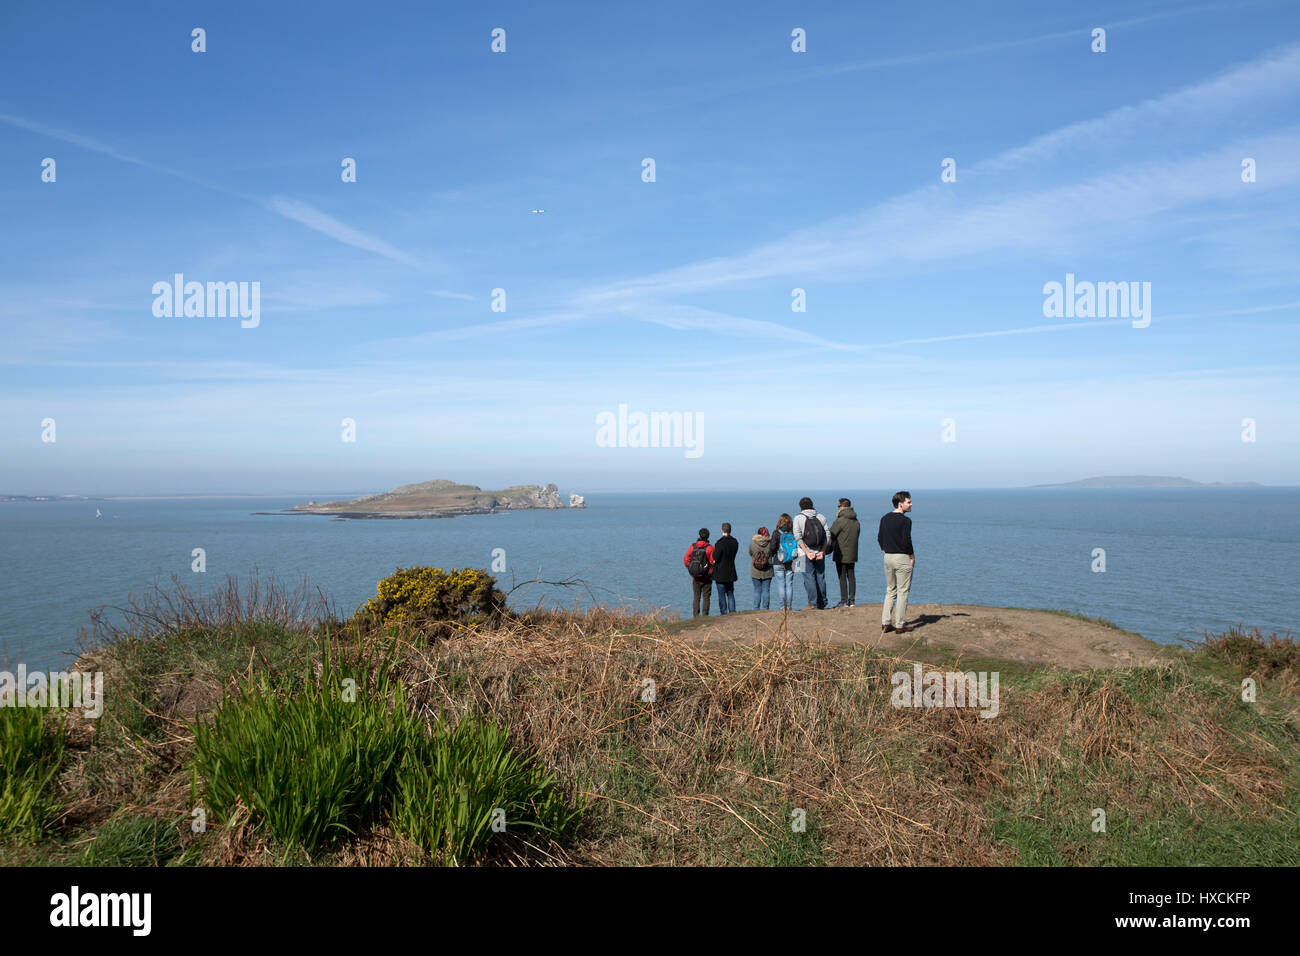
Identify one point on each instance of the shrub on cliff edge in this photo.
(448, 600)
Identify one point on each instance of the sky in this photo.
(921, 172)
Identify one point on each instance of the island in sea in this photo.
(1149, 481)
(438, 499)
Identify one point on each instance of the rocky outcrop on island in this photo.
(577, 501)
(438, 499)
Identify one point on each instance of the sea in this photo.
(1177, 562)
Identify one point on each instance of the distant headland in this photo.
(439, 499)
(47, 498)
(1149, 481)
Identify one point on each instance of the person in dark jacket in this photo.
(724, 569)
(760, 568)
(701, 584)
(895, 540)
(845, 530)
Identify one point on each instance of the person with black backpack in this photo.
(760, 569)
(699, 563)
(724, 569)
(812, 532)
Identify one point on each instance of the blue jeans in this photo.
(762, 593)
(726, 597)
(814, 582)
(784, 578)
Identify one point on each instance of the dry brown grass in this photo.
(739, 735)
(1274, 659)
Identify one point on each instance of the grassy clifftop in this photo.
(777, 751)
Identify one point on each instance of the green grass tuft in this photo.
(30, 759)
(455, 783)
(310, 767)
(133, 841)
(315, 766)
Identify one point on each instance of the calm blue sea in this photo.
(1178, 562)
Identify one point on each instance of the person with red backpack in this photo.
(699, 563)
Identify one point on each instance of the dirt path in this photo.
(1026, 637)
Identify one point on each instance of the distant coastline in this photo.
(1148, 481)
(48, 498)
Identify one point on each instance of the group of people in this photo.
(800, 545)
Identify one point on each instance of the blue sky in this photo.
(775, 170)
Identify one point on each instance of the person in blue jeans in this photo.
(724, 569)
(812, 531)
(783, 571)
(760, 569)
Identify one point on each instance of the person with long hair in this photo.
(783, 551)
(760, 569)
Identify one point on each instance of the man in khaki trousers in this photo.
(895, 540)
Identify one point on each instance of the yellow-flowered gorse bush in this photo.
(449, 600)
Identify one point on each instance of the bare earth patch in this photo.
(1027, 637)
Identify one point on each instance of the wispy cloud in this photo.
(1080, 33)
(929, 224)
(311, 296)
(1067, 326)
(686, 317)
(932, 223)
(95, 146)
(292, 209)
(936, 224)
(1275, 75)
(464, 332)
(327, 225)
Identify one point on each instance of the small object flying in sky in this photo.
(539, 210)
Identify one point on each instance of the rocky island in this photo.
(438, 499)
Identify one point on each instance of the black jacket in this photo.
(724, 559)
